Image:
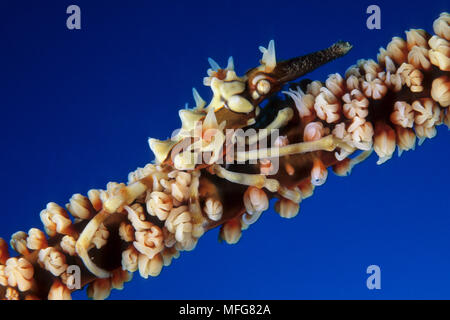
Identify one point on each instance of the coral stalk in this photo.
(167, 205)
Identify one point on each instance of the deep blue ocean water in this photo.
(78, 107)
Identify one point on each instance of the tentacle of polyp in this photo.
(167, 205)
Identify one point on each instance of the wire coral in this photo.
(220, 169)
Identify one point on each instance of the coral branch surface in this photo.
(230, 157)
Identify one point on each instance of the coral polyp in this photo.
(261, 136)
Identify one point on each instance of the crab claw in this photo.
(268, 78)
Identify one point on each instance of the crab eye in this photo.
(263, 86)
(260, 85)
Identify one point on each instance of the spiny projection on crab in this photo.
(167, 205)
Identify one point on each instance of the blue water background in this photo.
(78, 106)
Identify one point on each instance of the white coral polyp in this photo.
(327, 106)
(255, 200)
(213, 209)
(384, 142)
(179, 222)
(137, 217)
(361, 133)
(313, 131)
(53, 261)
(55, 219)
(373, 87)
(19, 272)
(304, 103)
(149, 242)
(427, 112)
(335, 83)
(403, 114)
(355, 104)
(418, 57)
